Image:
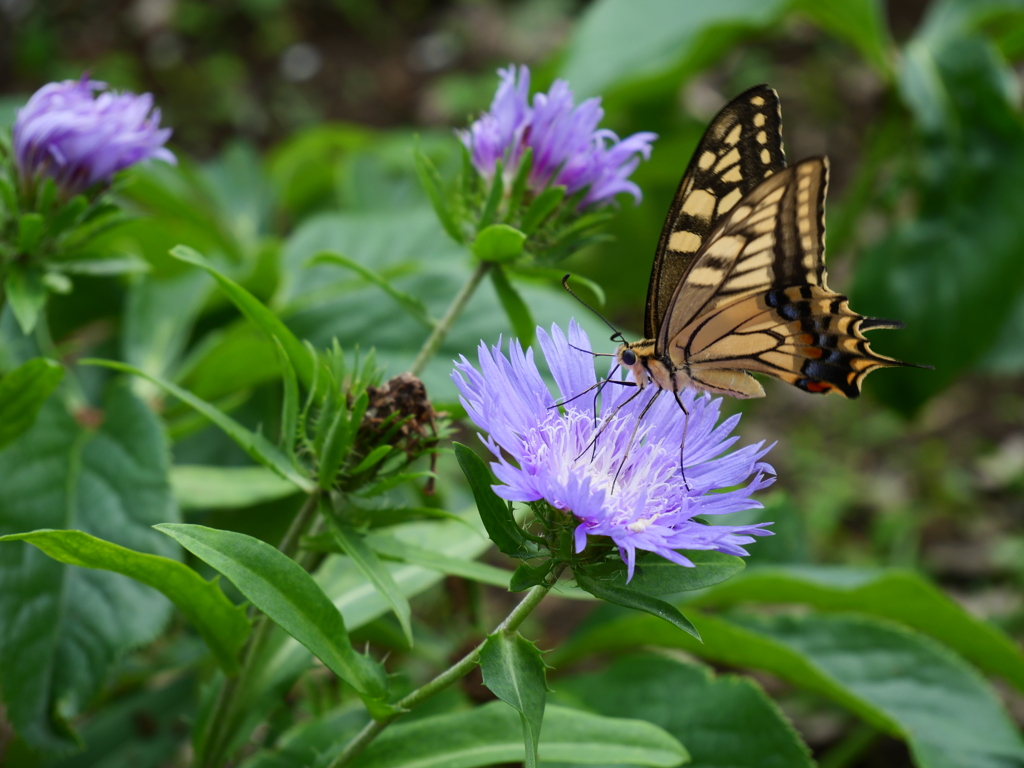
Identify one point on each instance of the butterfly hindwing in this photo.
(741, 147)
(804, 335)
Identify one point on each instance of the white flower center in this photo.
(639, 526)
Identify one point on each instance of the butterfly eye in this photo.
(628, 358)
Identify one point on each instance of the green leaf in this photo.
(408, 302)
(30, 233)
(389, 546)
(222, 624)
(431, 182)
(284, 659)
(257, 313)
(125, 265)
(499, 243)
(279, 587)
(527, 576)
(323, 302)
(615, 41)
(519, 183)
(514, 306)
(491, 734)
(926, 271)
(861, 23)
(898, 681)
(26, 294)
(23, 392)
(372, 459)
(65, 626)
(159, 315)
(902, 596)
(366, 560)
(495, 513)
(514, 672)
(289, 403)
(725, 722)
(113, 734)
(494, 196)
(212, 487)
(656, 576)
(630, 598)
(333, 452)
(542, 206)
(253, 443)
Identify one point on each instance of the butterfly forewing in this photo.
(741, 147)
(774, 237)
(756, 298)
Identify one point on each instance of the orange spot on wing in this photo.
(818, 386)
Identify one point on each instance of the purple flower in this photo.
(79, 139)
(568, 148)
(648, 507)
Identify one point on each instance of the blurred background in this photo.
(294, 126)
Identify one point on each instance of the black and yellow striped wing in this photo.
(756, 300)
(741, 147)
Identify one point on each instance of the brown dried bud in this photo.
(396, 400)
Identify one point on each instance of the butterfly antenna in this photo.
(616, 334)
(601, 383)
(593, 354)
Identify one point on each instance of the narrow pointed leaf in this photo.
(289, 403)
(516, 309)
(514, 672)
(542, 207)
(257, 312)
(493, 196)
(431, 182)
(222, 624)
(197, 486)
(366, 560)
(495, 513)
(253, 443)
(389, 546)
(416, 308)
(285, 592)
(23, 392)
(638, 601)
(30, 233)
(27, 296)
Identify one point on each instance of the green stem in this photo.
(444, 325)
(457, 671)
(851, 748)
(221, 723)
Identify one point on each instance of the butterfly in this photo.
(738, 284)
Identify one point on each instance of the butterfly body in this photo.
(739, 280)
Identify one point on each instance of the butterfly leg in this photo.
(619, 407)
(632, 437)
(601, 388)
(682, 445)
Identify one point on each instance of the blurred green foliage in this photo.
(295, 126)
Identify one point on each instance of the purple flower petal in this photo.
(637, 498)
(568, 148)
(79, 134)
